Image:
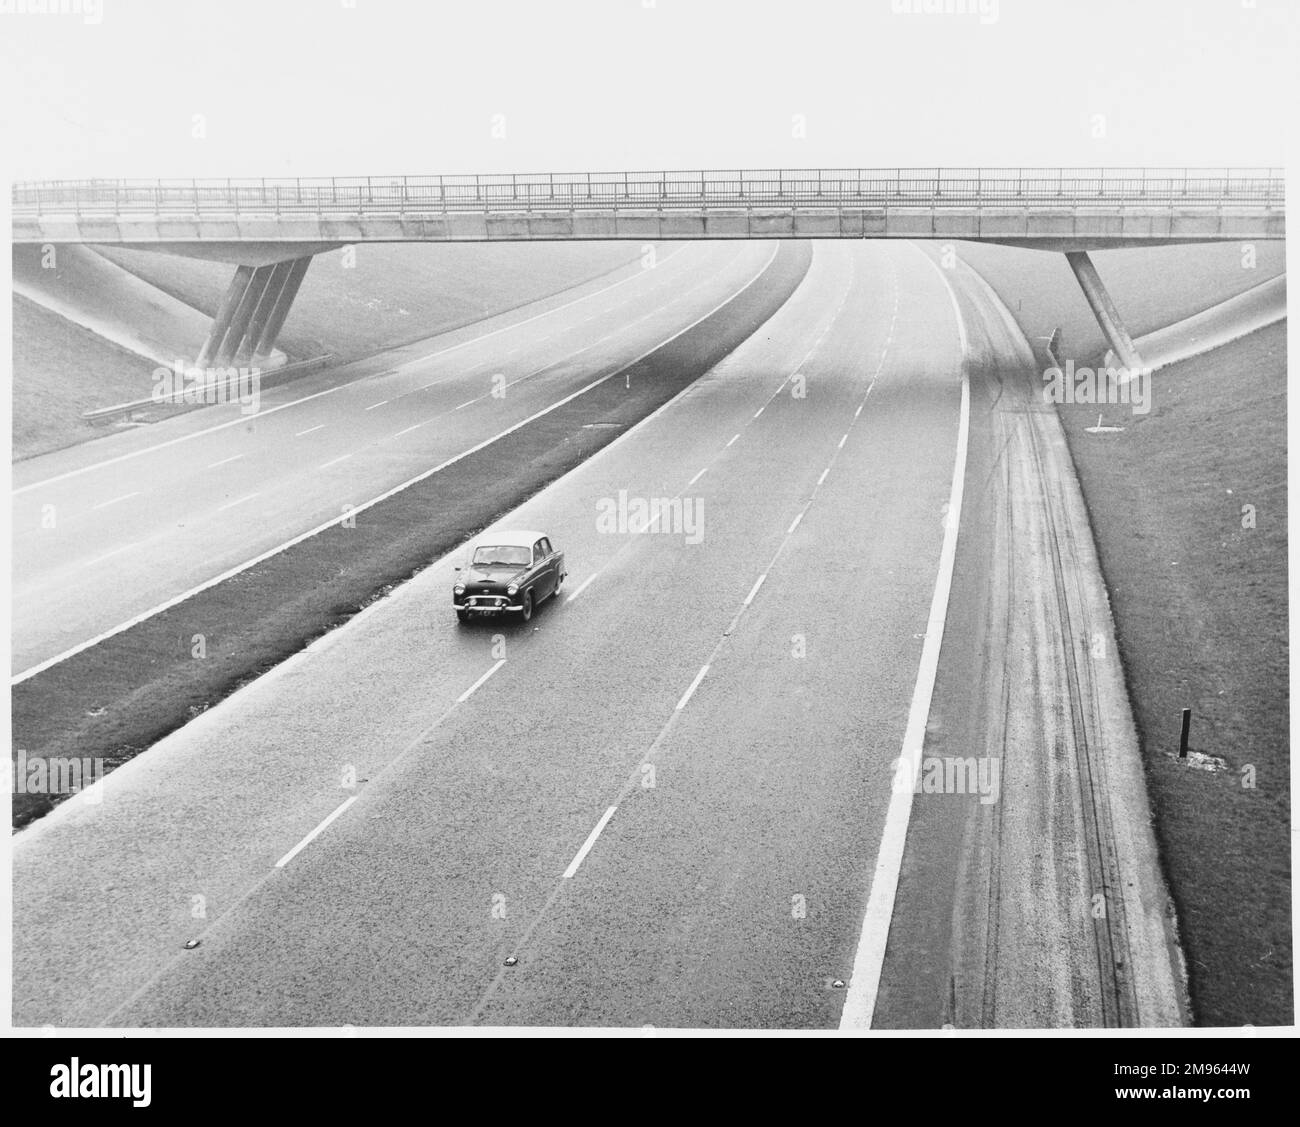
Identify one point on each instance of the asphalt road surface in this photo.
(659, 802)
(109, 530)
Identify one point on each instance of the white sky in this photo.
(314, 87)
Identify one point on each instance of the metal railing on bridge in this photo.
(625, 191)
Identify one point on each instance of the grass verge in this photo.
(1188, 508)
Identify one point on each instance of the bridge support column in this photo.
(262, 314)
(287, 290)
(225, 312)
(243, 314)
(1103, 308)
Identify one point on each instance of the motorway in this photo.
(108, 531)
(736, 702)
(670, 798)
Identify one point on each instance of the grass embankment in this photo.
(116, 699)
(393, 293)
(1198, 585)
(1152, 287)
(396, 294)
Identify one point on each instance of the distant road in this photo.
(108, 530)
(663, 797)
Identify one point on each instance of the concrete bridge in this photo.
(270, 228)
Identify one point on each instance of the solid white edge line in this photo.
(478, 684)
(864, 983)
(586, 845)
(694, 685)
(754, 590)
(280, 864)
(269, 553)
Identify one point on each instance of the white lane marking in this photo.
(225, 461)
(754, 590)
(478, 684)
(106, 555)
(586, 845)
(310, 430)
(356, 510)
(243, 421)
(280, 864)
(408, 430)
(733, 439)
(335, 461)
(821, 479)
(697, 477)
(694, 684)
(238, 501)
(761, 409)
(842, 442)
(864, 985)
(859, 410)
(115, 500)
(467, 403)
(794, 524)
(582, 587)
(374, 405)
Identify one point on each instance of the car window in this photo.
(545, 546)
(501, 555)
(538, 550)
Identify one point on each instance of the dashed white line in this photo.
(582, 587)
(310, 430)
(280, 864)
(694, 685)
(374, 405)
(465, 404)
(760, 410)
(697, 477)
(237, 501)
(335, 461)
(859, 410)
(224, 461)
(586, 845)
(733, 439)
(794, 524)
(754, 589)
(478, 684)
(821, 479)
(408, 430)
(842, 442)
(115, 500)
(114, 552)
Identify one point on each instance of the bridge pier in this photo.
(1103, 308)
(251, 313)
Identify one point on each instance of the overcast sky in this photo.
(320, 87)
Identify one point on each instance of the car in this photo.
(508, 572)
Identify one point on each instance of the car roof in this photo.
(513, 537)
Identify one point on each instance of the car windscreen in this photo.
(504, 555)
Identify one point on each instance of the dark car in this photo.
(508, 572)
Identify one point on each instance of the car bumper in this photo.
(475, 606)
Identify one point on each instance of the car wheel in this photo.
(462, 615)
(527, 612)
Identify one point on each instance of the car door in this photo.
(545, 566)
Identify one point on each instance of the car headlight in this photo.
(513, 589)
(459, 589)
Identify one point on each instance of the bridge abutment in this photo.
(252, 312)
